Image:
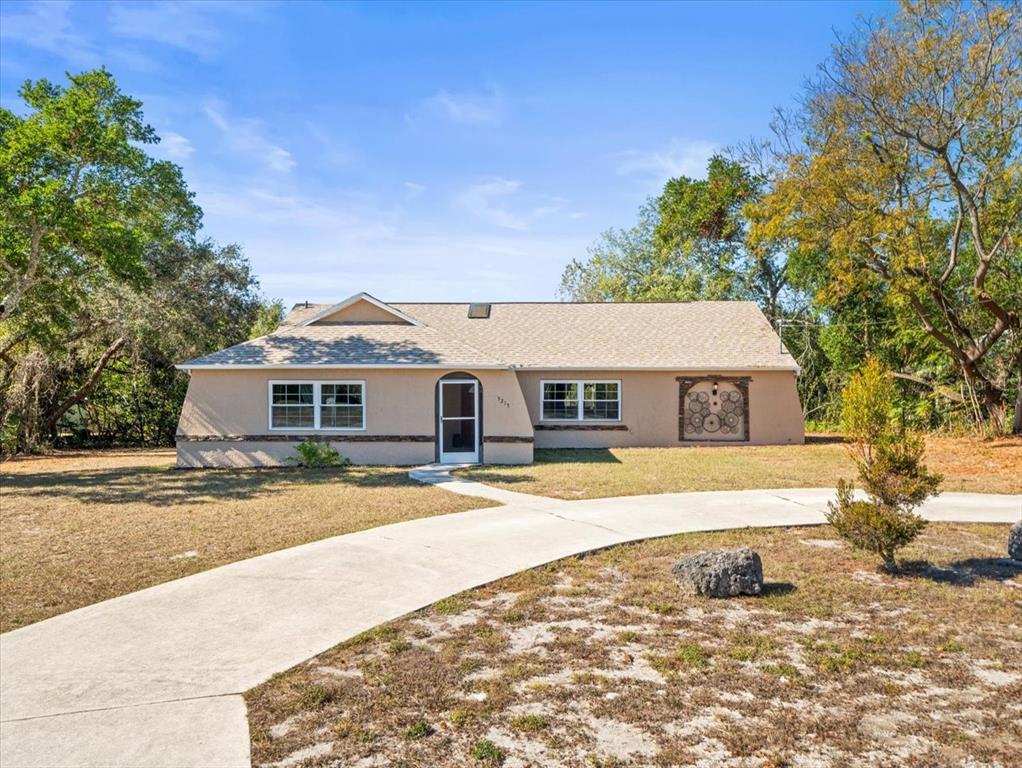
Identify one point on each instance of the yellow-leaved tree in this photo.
(903, 169)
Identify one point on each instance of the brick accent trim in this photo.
(685, 383)
(583, 427)
(339, 437)
(506, 439)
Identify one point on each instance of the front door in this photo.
(459, 421)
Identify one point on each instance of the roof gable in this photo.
(360, 309)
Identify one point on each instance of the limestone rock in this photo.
(721, 573)
(1015, 541)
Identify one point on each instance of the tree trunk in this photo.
(1016, 424)
(54, 416)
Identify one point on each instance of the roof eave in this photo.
(334, 366)
(661, 368)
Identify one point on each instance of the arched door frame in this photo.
(456, 376)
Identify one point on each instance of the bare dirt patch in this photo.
(77, 528)
(601, 661)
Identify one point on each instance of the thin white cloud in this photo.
(322, 248)
(47, 26)
(681, 157)
(331, 150)
(174, 146)
(486, 200)
(503, 203)
(190, 26)
(413, 189)
(468, 109)
(245, 135)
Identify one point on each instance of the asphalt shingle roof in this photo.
(701, 335)
(363, 344)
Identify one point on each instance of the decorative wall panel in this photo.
(713, 408)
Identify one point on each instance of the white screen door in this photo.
(459, 421)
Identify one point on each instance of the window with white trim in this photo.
(292, 406)
(341, 406)
(581, 400)
(330, 405)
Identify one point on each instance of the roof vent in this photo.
(478, 311)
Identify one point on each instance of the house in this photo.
(413, 383)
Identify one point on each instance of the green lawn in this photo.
(968, 464)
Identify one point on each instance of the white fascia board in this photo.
(679, 369)
(357, 298)
(348, 366)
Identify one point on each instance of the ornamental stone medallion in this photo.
(713, 409)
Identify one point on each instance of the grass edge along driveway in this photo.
(84, 527)
(968, 464)
(600, 658)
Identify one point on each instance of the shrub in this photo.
(896, 476)
(873, 527)
(865, 408)
(314, 454)
(529, 723)
(890, 468)
(487, 750)
(419, 730)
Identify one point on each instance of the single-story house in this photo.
(413, 383)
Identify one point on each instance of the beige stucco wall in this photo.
(362, 311)
(399, 403)
(649, 409)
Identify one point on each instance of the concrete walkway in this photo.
(155, 678)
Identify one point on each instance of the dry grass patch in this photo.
(968, 464)
(83, 527)
(602, 661)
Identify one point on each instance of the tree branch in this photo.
(83, 391)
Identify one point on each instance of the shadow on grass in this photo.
(824, 439)
(963, 573)
(777, 588)
(488, 476)
(545, 456)
(163, 486)
(576, 456)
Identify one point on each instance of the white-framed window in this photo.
(581, 400)
(326, 405)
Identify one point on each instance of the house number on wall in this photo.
(502, 401)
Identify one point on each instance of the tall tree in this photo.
(703, 226)
(78, 194)
(904, 167)
(629, 265)
(103, 285)
(690, 243)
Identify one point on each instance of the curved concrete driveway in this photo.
(154, 678)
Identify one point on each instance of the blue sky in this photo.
(430, 151)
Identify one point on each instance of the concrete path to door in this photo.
(155, 678)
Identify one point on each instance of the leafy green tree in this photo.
(690, 243)
(904, 171)
(79, 197)
(270, 315)
(104, 286)
(628, 265)
(703, 229)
